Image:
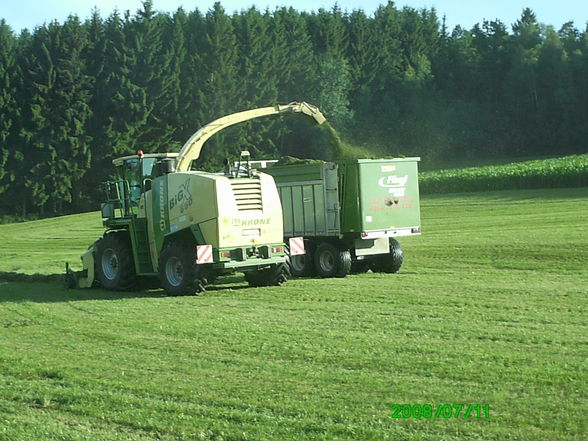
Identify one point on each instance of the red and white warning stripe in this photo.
(204, 254)
(297, 246)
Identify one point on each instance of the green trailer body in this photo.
(380, 196)
(357, 206)
(310, 198)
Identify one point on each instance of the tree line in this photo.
(75, 95)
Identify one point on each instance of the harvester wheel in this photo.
(389, 263)
(330, 261)
(275, 275)
(115, 266)
(178, 271)
(70, 281)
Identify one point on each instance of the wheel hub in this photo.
(297, 262)
(327, 261)
(174, 271)
(110, 267)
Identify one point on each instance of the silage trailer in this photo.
(350, 213)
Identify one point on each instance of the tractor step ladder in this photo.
(141, 246)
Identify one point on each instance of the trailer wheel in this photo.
(389, 263)
(360, 267)
(178, 271)
(115, 266)
(301, 265)
(330, 261)
(275, 275)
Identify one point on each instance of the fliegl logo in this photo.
(396, 185)
(183, 197)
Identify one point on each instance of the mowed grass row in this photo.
(490, 307)
(568, 171)
(43, 246)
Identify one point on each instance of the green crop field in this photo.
(490, 308)
(567, 171)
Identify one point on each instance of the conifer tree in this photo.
(362, 55)
(154, 71)
(578, 62)
(122, 104)
(491, 42)
(19, 161)
(171, 105)
(333, 98)
(220, 94)
(419, 35)
(258, 76)
(294, 57)
(296, 72)
(556, 98)
(40, 79)
(192, 77)
(255, 57)
(389, 65)
(330, 39)
(73, 139)
(570, 37)
(526, 30)
(328, 32)
(95, 60)
(8, 105)
(58, 146)
(454, 67)
(521, 96)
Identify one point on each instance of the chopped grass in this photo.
(490, 307)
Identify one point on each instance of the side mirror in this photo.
(147, 184)
(107, 210)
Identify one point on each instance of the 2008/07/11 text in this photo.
(440, 411)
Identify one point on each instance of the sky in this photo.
(20, 14)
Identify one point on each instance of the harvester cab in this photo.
(134, 176)
(187, 227)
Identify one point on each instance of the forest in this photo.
(75, 95)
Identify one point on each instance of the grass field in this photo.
(490, 308)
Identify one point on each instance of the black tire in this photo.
(331, 261)
(389, 263)
(115, 266)
(302, 265)
(360, 267)
(275, 275)
(178, 272)
(70, 281)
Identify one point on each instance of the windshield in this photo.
(149, 168)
